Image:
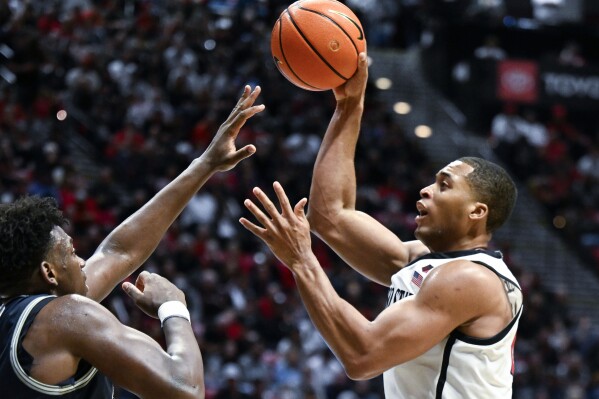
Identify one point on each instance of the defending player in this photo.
(56, 340)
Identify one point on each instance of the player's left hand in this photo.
(287, 233)
(150, 291)
(222, 153)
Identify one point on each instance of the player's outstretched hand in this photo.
(151, 290)
(355, 87)
(287, 233)
(222, 152)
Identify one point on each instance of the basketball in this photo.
(315, 44)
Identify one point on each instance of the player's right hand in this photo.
(355, 87)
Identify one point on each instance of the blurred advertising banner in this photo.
(518, 81)
(531, 82)
(571, 84)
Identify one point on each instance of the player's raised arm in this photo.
(359, 239)
(131, 243)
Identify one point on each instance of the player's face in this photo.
(68, 267)
(443, 222)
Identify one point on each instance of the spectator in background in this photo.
(138, 33)
(84, 81)
(571, 55)
(588, 164)
(490, 50)
(533, 131)
(505, 130)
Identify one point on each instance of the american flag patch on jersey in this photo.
(417, 279)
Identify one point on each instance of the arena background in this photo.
(102, 102)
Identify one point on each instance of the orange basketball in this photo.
(315, 44)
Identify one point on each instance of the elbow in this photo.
(190, 392)
(314, 220)
(322, 222)
(360, 363)
(359, 370)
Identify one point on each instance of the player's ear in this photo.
(479, 211)
(47, 273)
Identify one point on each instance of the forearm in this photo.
(140, 233)
(130, 244)
(181, 345)
(334, 177)
(357, 238)
(341, 325)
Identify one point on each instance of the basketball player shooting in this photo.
(56, 340)
(453, 306)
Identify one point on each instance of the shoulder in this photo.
(72, 314)
(462, 271)
(461, 286)
(63, 323)
(72, 303)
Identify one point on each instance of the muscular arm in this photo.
(458, 294)
(83, 329)
(131, 243)
(454, 295)
(360, 240)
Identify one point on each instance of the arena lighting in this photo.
(559, 222)
(548, 3)
(209, 44)
(423, 131)
(402, 108)
(61, 115)
(383, 83)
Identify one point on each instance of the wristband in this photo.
(172, 309)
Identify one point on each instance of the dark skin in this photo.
(75, 326)
(457, 295)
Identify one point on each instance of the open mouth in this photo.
(422, 211)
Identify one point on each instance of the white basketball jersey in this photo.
(459, 366)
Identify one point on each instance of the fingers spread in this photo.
(299, 208)
(244, 95)
(257, 212)
(240, 117)
(266, 203)
(283, 200)
(248, 98)
(255, 229)
(243, 153)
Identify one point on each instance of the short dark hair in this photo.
(25, 238)
(493, 186)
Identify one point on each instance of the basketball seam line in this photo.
(283, 51)
(310, 44)
(339, 26)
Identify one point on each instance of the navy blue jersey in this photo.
(16, 316)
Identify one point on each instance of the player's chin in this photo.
(423, 233)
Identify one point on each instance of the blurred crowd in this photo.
(103, 102)
(557, 156)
